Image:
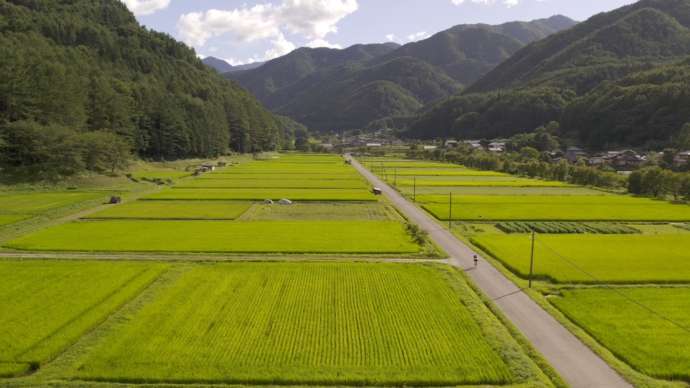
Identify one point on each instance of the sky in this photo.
(245, 31)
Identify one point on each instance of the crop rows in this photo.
(566, 227)
(359, 324)
(651, 344)
(590, 258)
(222, 236)
(61, 301)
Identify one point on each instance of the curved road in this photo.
(578, 365)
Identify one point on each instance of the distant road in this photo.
(578, 365)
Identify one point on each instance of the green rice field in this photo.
(6, 219)
(662, 258)
(323, 324)
(222, 237)
(18, 206)
(47, 305)
(473, 181)
(262, 194)
(194, 210)
(552, 208)
(648, 343)
(323, 211)
(38, 202)
(285, 183)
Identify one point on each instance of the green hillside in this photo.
(72, 69)
(617, 79)
(328, 89)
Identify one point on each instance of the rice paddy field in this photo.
(662, 258)
(17, 206)
(554, 208)
(617, 266)
(313, 324)
(354, 237)
(156, 210)
(648, 342)
(47, 306)
(229, 211)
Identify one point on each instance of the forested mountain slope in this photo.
(80, 67)
(329, 89)
(285, 71)
(615, 79)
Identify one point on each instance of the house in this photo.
(473, 143)
(206, 167)
(374, 145)
(497, 146)
(377, 191)
(452, 143)
(429, 147)
(627, 160)
(573, 154)
(597, 160)
(682, 158)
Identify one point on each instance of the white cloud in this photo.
(417, 36)
(310, 19)
(323, 43)
(146, 7)
(281, 46)
(507, 3)
(391, 37)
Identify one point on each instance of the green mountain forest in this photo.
(83, 74)
(620, 78)
(329, 89)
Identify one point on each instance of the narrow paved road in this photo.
(579, 366)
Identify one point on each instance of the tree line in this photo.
(83, 77)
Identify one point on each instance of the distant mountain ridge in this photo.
(329, 89)
(621, 78)
(223, 66)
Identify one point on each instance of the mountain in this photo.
(287, 70)
(609, 45)
(218, 64)
(612, 80)
(467, 52)
(329, 89)
(81, 66)
(222, 66)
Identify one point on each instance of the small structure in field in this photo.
(377, 191)
(268, 202)
(206, 167)
(285, 202)
(114, 200)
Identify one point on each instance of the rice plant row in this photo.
(307, 323)
(566, 227)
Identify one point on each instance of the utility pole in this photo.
(414, 189)
(395, 179)
(450, 212)
(531, 261)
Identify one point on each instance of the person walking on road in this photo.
(476, 261)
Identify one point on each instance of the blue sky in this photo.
(242, 31)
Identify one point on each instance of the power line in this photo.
(614, 289)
